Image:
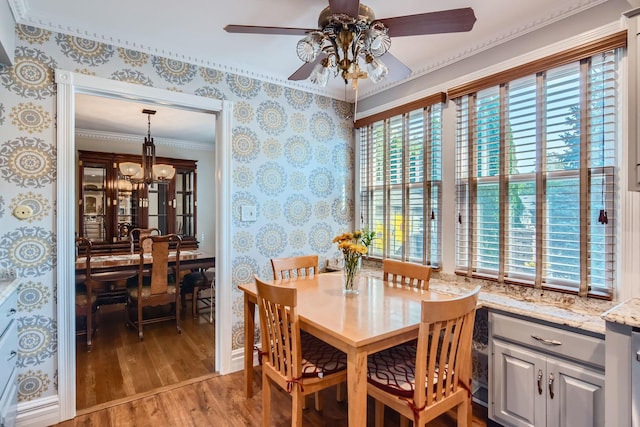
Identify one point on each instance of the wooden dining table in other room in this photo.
(381, 316)
(189, 260)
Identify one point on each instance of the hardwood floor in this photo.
(219, 401)
(120, 366)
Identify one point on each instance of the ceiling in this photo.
(192, 31)
(100, 114)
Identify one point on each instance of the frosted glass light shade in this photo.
(130, 169)
(162, 172)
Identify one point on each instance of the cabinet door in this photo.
(575, 395)
(94, 202)
(518, 388)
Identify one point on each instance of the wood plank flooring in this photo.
(219, 401)
(120, 366)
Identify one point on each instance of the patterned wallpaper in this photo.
(292, 158)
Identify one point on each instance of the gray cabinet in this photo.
(544, 376)
(8, 359)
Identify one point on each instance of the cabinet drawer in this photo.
(8, 310)
(8, 353)
(9, 402)
(552, 340)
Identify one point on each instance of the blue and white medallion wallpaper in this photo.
(292, 158)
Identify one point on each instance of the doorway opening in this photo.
(68, 85)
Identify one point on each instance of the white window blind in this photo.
(535, 178)
(400, 185)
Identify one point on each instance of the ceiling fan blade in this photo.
(251, 29)
(304, 72)
(444, 21)
(397, 69)
(349, 7)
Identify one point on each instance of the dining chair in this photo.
(193, 283)
(426, 380)
(161, 287)
(284, 268)
(406, 273)
(89, 286)
(299, 364)
(291, 267)
(137, 234)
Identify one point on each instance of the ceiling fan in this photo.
(349, 40)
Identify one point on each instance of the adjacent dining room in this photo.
(145, 269)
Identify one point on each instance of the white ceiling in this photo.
(100, 114)
(192, 31)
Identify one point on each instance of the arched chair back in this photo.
(137, 234)
(284, 268)
(406, 273)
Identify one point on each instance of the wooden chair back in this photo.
(137, 234)
(158, 247)
(95, 284)
(406, 273)
(280, 329)
(282, 353)
(284, 268)
(444, 352)
(156, 289)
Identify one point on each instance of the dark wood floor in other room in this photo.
(121, 366)
(219, 401)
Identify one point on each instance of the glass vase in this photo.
(351, 272)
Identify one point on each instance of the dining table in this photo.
(189, 260)
(382, 315)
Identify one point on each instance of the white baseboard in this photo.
(39, 413)
(237, 360)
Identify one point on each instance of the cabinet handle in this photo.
(546, 341)
(551, 385)
(540, 381)
(12, 355)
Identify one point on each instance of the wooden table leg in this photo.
(357, 386)
(249, 331)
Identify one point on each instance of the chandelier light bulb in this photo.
(320, 73)
(308, 48)
(376, 69)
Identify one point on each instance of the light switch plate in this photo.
(247, 213)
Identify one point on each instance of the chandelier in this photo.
(351, 46)
(148, 172)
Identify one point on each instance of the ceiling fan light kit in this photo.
(352, 43)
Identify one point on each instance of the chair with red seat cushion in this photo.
(300, 366)
(426, 380)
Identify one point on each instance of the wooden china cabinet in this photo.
(110, 205)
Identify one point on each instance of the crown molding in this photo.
(136, 139)
(577, 40)
(21, 11)
(483, 45)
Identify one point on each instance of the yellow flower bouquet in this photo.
(353, 246)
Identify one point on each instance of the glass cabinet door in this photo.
(95, 202)
(185, 203)
(158, 213)
(127, 206)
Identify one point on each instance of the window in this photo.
(400, 184)
(535, 177)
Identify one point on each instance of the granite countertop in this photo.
(625, 313)
(568, 310)
(7, 286)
